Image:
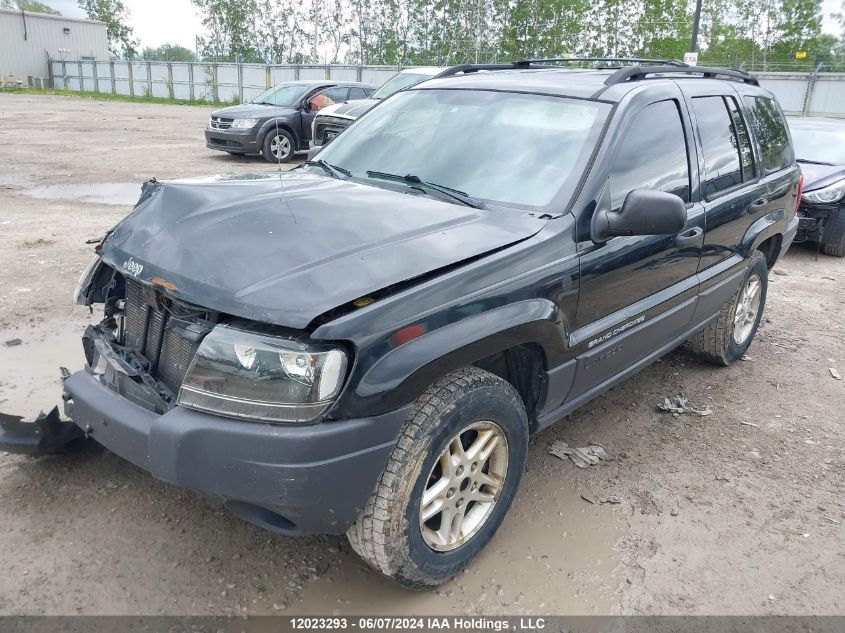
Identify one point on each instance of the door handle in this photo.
(761, 202)
(689, 237)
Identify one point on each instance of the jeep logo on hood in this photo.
(132, 267)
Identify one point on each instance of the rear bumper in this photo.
(292, 479)
(789, 235)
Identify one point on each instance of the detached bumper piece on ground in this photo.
(46, 435)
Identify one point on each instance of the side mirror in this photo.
(644, 212)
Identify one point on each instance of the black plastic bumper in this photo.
(244, 141)
(789, 235)
(310, 479)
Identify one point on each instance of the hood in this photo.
(244, 246)
(352, 109)
(252, 110)
(819, 176)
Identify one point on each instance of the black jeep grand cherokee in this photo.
(366, 346)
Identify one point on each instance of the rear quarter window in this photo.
(769, 127)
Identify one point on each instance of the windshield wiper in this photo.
(813, 162)
(417, 183)
(338, 172)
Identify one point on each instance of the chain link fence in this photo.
(810, 94)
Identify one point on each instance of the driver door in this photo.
(317, 101)
(638, 292)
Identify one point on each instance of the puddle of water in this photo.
(29, 372)
(554, 554)
(118, 193)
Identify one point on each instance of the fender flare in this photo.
(769, 225)
(402, 374)
(284, 124)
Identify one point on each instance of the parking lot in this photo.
(738, 512)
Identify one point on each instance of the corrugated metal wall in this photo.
(213, 82)
(28, 40)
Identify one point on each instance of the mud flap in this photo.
(47, 435)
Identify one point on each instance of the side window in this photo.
(328, 97)
(769, 127)
(722, 168)
(746, 156)
(357, 93)
(646, 160)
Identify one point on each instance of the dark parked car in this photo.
(367, 346)
(277, 123)
(334, 119)
(820, 149)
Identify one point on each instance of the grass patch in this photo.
(105, 96)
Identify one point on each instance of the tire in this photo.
(718, 341)
(469, 405)
(833, 242)
(288, 143)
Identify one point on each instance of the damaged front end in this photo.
(142, 348)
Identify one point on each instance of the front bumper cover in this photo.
(309, 479)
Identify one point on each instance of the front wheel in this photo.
(726, 338)
(279, 146)
(449, 482)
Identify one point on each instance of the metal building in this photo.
(28, 39)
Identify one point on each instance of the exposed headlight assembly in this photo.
(80, 295)
(244, 123)
(826, 195)
(257, 376)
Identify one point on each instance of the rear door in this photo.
(730, 182)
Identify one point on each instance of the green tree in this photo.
(230, 30)
(168, 53)
(122, 42)
(29, 5)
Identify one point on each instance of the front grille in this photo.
(166, 341)
(173, 365)
(220, 123)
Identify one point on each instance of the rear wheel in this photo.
(833, 242)
(279, 146)
(726, 338)
(449, 482)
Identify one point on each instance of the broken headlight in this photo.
(257, 376)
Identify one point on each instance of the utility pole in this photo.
(695, 21)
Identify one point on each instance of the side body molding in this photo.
(406, 371)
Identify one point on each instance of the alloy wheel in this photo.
(463, 486)
(748, 305)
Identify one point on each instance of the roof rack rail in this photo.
(526, 63)
(634, 73)
(523, 64)
(472, 68)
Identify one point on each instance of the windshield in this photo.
(818, 144)
(515, 149)
(397, 83)
(284, 95)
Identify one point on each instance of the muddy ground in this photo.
(739, 512)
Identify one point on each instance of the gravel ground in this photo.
(739, 512)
